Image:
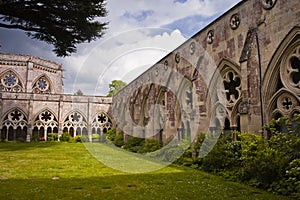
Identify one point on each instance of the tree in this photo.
(79, 93)
(61, 23)
(115, 86)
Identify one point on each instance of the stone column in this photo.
(15, 133)
(29, 133)
(45, 133)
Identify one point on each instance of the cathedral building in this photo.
(237, 73)
(32, 102)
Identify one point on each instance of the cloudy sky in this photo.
(140, 33)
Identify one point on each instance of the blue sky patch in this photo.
(180, 1)
(190, 25)
(139, 16)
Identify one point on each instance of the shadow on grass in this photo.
(160, 185)
(15, 146)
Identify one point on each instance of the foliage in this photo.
(84, 138)
(77, 138)
(273, 165)
(150, 145)
(61, 23)
(261, 163)
(134, 144)
(225, 155)
(111, 134)
(52, 137)
(65, 137)
(115, 86)
(78, 93)
(116, 139)
(35, 137)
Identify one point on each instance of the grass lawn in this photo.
(69, 171)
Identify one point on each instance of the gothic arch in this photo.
(135, 110)
(43, 84)
(45, 122)
(283, 102)
(220, 112)
(224, 92)
(14, 125)
(145, 107)
(10, 81)
(75, 123)
(101, 123)
(281, 81)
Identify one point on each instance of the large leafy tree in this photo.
(62, 23)
(115, 86)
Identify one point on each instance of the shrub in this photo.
(77, 138)
(290, 184)
(95, 137)
(52, 137)
(119, 140)
(150, 145)
(84, 138)
(134, 144)
(111, 134)
(225, 155)
(65, 137)
(116, 139)
(35, 137)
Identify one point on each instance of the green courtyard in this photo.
(56, 170)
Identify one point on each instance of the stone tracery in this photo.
(101, 123)
(75, 124)
(10, 82)
(13, 121)
(42, 85)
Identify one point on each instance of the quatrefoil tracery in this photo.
(290, 71)
(268, 4)
(232, 86)
(210, 37)
(234, 21)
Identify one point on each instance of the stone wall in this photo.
(32, 102)
(236, 74)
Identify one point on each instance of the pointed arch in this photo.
(14, 125)
(43, 84)
(281, 81)
(75, 120)
(134, 109)
(225, 84)
(283, 102)
(10, 81)
(145, 107)
(45, 122)
(225, 88)
(101, 122)
(46, 109)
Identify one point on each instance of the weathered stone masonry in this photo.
(239, 72)
(253, 49)
(32, 102)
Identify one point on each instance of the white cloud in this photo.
(129, 45)
(128, 48)
(123, 57)
(162, 12)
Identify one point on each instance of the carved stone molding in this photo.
(210, 36)
(235, 21)
(268, 4)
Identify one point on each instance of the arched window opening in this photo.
(227, 129)
(71, 131)
(11, 135)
